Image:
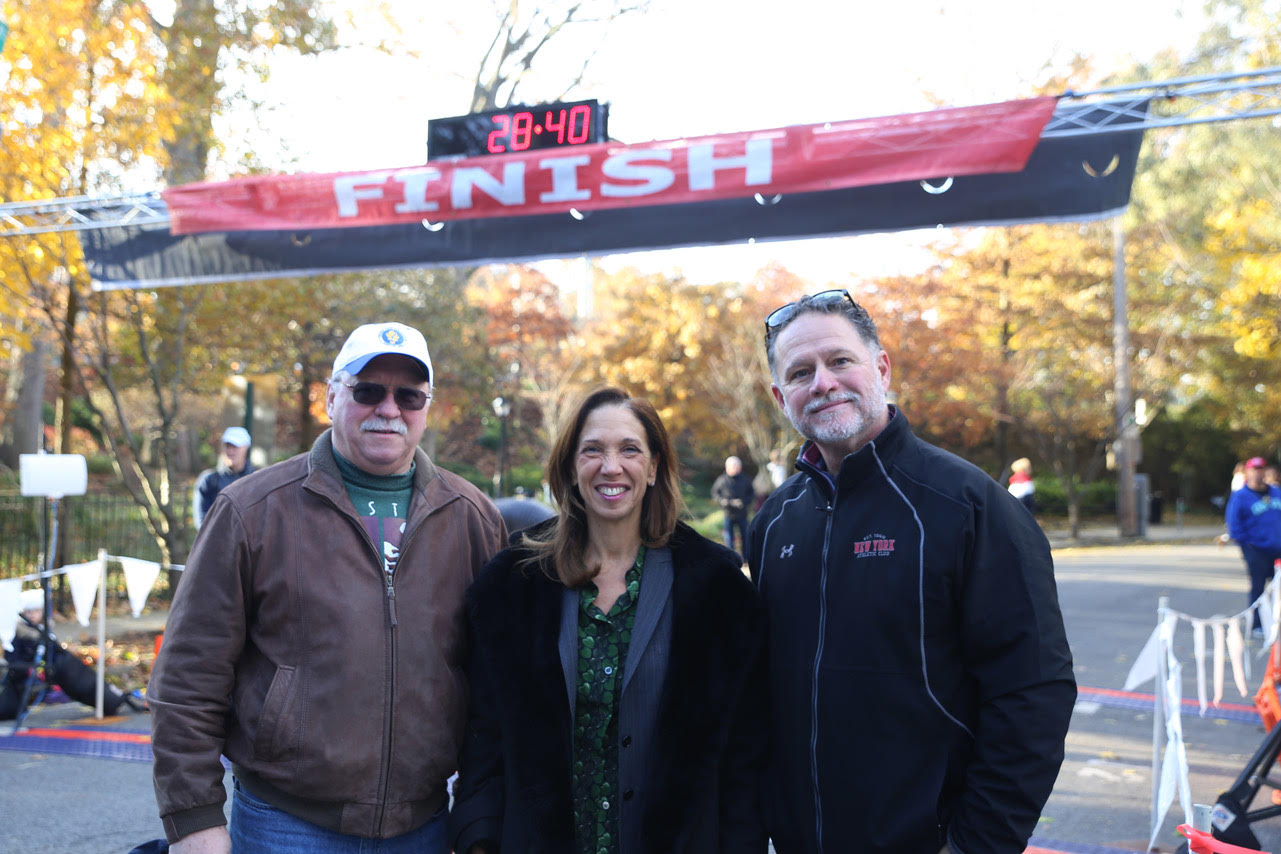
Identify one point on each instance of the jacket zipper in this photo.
(818, 658)
(385, 771)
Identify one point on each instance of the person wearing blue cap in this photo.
(316, 640)
(233, 464)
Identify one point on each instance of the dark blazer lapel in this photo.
(568, 644)
(655, 591)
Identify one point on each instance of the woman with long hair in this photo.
(618, 681)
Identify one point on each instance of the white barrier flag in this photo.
(10, 603)
(1218, 629)
(1198, 651)
(83, 578)
(1236, 653)
(1144, 667)
(140, 577)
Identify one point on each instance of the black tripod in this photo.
(41, 669)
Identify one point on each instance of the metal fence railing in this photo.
(91, 522)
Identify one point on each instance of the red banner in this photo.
(992, 138)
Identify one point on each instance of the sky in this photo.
(694, 67)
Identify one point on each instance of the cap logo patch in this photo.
(392, 337)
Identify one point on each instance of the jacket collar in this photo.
(431, 491)
(861, 464)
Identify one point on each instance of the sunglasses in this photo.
(372, 394)
(781, 316)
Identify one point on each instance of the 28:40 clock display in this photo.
(517, 129)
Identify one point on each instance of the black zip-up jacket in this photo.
(921, 677)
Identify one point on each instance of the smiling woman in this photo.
(600, 680)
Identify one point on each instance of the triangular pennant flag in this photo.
(1236, 652)
(1217, 629)
(1274, 629)
(1265, 620)
(10, 604)
(83, 578)
(1198, 651)
(140, 577)
(1144, 667)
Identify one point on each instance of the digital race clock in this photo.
(518, 129)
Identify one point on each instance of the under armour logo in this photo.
(786, 551)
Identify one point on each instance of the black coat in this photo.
(708, 745)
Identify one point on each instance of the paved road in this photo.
(58, 804)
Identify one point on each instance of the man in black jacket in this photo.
(733, 493)
(921, 677)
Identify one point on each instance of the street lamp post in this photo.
(502, 408)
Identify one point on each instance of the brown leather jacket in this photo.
(335, 697)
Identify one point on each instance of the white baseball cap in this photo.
(378, 339)
(237, 436)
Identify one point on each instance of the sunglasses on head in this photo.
(781, 316)
(372, 394)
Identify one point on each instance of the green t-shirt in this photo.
(382, 503)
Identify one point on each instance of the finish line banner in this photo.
(949, 142)
(1066, 179)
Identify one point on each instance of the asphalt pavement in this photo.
(73, 784)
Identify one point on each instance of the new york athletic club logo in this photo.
(873, 545)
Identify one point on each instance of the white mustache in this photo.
(382, 425)
(840, 397)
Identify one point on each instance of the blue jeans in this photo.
(259, 828)
(1258, 562)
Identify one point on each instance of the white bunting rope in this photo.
(1157, 661)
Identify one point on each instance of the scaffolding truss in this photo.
(1139, 106)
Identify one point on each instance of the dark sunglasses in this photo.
(372, 394)
(781, 316)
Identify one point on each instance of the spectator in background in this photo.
(1270, 476)
(233, 464)
(733, 493)
(1022, 486)
(1254, 521)
(777, 469)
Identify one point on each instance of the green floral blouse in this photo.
(602, 651)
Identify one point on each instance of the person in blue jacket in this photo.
(920, 673)
(233, 464)
(1253, 517)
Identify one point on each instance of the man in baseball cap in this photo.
(314, 638)
(1253, 516)
(233, 464)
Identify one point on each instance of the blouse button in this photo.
(609, 671)
(604, 804)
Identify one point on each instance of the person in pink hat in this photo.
(1253, 517)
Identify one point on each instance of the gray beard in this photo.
(848, 426)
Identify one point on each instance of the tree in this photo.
(203, 40)
(521, 39)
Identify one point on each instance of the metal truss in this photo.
(1138, 106)
(1170, 103)
(80, 213)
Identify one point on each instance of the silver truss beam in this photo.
(1171, 103)
(80, 213)
(1138, 106)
